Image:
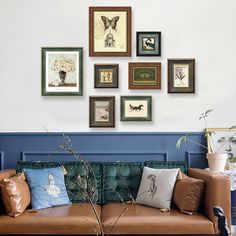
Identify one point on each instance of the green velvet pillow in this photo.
(74, 191)
(121, 181)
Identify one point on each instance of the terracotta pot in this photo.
(216, 162)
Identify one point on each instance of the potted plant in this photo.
(232, 163)
(216, 160)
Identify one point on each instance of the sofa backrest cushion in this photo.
(167, 165)
(121, 181)
(74, 191)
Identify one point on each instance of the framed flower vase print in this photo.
(101, 111)
(145, 75)
(148, 44)
(62, 71)
(109, 31)
(136, 108)
(181, 75)
(106, 75)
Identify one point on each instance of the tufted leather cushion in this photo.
(167, 165)
(121, 181)
(75, 193)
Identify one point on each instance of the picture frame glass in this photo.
(110, 31)
(144, 75)
(106, 76)
(136, 108)
(180, 75)
(101, 111)
(62, 71)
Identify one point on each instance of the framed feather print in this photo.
(109, 31)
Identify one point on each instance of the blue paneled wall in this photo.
(100, 146)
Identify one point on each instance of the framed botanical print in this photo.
(101, 111)
(148, 44)
(181, 75)
(62, 71)
(106, 75)
(109, 31)
(136, 108)
(145, 75)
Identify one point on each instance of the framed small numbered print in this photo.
(144, 75)
(109, 31)
(106, 76)
(136, 108)
(181, 75)
(62, 71)
(101, 111)
(148, 44)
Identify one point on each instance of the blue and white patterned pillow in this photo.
(47, 187)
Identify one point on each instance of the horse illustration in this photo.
(136, 108)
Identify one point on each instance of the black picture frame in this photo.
(106, 76)
(181, 75)
(148, 43)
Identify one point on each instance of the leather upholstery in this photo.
(217, 193)
(15, 194)
(121, 181)
(77, 218)
(73, 169)
(138, 219)
(7, 173)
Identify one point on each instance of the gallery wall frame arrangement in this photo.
(106, 76)
(110, 31)
(181, 75)
(136, 108)
(101, 111)
(62, 71)
(144, 75)
(148, 43)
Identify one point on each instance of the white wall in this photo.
(200, 29)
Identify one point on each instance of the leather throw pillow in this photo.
(156, 187)
(187, 194)
(15, 194)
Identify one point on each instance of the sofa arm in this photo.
(7, 173)
(217, 193)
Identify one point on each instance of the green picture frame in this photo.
(62, 71)
(136, 108)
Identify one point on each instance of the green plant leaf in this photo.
(181, 140)
(207, 112)
(232, 127)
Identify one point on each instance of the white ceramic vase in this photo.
(216, 162)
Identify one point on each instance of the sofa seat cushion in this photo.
(139, 219)
(77, 218)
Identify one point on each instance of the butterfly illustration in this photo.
(107, 22)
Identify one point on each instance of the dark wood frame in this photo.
(92, 122)
(122, 108)
(157, 65)
(92, 53)
(138, 54)
(43, 68)
(191, 88)
(114, 67)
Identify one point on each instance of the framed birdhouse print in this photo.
(181, 75)
(109, 31)
(148, 44)
(62, 71)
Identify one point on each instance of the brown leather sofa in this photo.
(79, 218)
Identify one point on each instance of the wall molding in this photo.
(2, 160)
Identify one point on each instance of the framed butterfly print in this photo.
(109, 31)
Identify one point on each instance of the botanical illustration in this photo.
(181, 75)
(101, 111)
(144, 75)
(153, 187)
(110, 31)
(106, 75)
(148, 44)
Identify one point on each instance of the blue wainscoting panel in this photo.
(102, 146)
(1, 160)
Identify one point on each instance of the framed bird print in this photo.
(148, 44)
(109, 31)
(181, 75)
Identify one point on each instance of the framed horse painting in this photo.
(136, 108)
